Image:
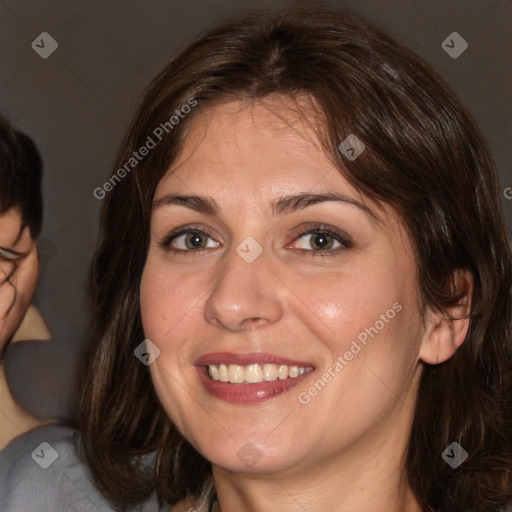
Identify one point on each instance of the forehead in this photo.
(272, 121)
(10, 228)
(269, 146)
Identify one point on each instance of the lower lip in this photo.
(248, 393)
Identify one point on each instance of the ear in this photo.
(445, 331)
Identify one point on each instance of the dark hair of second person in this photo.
(20, 177)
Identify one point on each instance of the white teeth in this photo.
(254, 373)
(223, 373)
(270, 372)
(214, 372)
(293, 371)
(236, 373)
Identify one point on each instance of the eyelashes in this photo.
(6, 254)
(324, 240)
(322, 235)
(166, 242)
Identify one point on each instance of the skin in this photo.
(19, 268)
(18, 275)
(343, 450)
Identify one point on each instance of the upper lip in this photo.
(244, 359)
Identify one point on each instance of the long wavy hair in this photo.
(425, 157)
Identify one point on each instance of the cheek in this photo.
(32, 276)
(163, 303)
(167, 320)
(25, 283)
(8, 321)
(153, 302)
(366, 323)
(16, 297)
(338, 309)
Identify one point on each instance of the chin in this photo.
(246, 456)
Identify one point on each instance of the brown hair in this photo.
(424, 156)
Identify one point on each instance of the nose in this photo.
(245, 296)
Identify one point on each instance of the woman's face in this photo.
(307, 306)
(19, 267)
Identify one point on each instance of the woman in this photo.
(302, 288)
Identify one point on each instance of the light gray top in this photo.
(40, 471)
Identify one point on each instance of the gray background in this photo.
(77, 104)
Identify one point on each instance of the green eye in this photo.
(320, 241)
(189, 239)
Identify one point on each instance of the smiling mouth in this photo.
(254, 373)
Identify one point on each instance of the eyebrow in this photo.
(280, 206)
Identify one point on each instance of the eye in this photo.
(193, 241)
(189, 239)
(322, 240)
(6, 254)
(318, 241)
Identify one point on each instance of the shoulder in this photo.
(41, 470)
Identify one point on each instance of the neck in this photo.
(14, 420)
(369, 475)
(326, 489)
